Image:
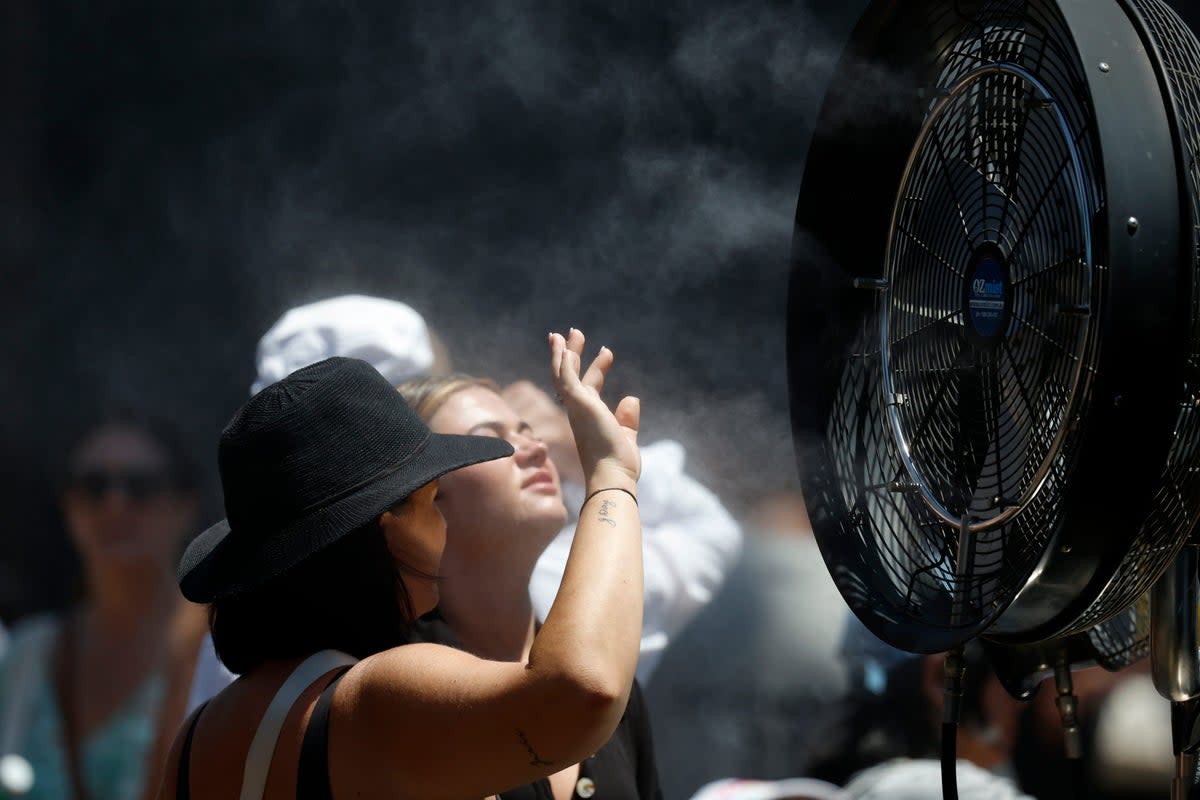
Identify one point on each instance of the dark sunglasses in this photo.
(137, 485)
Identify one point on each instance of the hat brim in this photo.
(221, 562)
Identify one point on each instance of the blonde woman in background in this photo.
(500, 517)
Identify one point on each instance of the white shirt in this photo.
(689, 542)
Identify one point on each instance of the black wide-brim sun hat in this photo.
(308, 460)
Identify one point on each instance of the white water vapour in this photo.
(506, 168)
(669, 235)
(784, 54)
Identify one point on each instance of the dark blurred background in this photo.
(173, 176)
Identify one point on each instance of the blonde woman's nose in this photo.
(530, 449)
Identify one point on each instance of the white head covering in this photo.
(743, 789)
(390, 336)
(900, 779)
(921, 779)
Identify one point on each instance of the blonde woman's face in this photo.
(518, 496)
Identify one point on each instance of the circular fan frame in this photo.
(989, 312)
(900, 565)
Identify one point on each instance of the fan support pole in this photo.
(1175, 661)
(1068, 712)
(1068, 708)
(1185, 735)
(955, 666)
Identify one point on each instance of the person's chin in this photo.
(550, 511)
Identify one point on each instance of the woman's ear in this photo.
(399, 533)
(392, 525)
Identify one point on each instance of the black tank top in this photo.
(312, 775)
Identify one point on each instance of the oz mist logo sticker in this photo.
(985, 301)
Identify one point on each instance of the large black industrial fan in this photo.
(994, 331)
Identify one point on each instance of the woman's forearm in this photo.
(593, 629)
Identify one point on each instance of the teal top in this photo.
(113, 758)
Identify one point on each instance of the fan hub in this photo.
(987, 297)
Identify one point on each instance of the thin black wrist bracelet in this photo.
(608, 489)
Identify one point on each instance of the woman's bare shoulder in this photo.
(424, 673)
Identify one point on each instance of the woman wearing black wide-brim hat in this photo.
(330, 550)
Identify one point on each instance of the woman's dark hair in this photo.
(347, 597)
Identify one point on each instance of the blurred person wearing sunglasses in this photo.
(90, 698)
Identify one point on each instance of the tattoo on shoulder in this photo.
(535, 759)
(605, 517)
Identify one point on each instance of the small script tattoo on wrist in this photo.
(535, 759)
(605, 505)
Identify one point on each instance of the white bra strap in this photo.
(262, 748)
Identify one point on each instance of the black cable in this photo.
(1078, 778)
(949, 761)
(954, 669)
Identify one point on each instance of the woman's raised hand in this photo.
(607, 441)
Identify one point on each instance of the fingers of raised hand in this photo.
(594, 377)
(629, 414)
(575, 341)
(564, 363)
(556, 354)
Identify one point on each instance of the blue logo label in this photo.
(986, 299)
